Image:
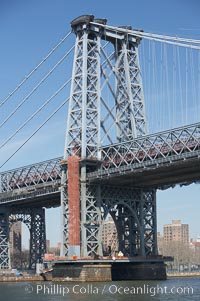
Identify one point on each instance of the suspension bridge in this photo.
(132, 128)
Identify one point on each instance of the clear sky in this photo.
(29, 29)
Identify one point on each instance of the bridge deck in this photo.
(158, 161)
(155, 175)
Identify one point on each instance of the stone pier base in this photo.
(139, 271)
(81, 272)
(108, 270)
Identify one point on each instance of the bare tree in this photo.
(182, 253)
(20, 259)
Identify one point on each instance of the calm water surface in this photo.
(172, 289)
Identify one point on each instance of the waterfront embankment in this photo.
(183, 274)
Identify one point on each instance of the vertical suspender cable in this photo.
(174, 87)
(198, 84)
(149, 91)
(180, 87)
(168, 122)
(192, 108)
(186, 86)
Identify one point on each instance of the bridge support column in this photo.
(64, 211)
(148, 221)
(91, 221)
(4, 240)
(81, 220)
(37, 236)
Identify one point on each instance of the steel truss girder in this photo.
(29, 176)
(179, 143)
(175, 142)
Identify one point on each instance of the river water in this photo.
(172, 289)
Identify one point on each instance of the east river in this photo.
(171, 289)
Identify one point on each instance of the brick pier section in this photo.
(74, 205)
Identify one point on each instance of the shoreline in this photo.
(25, 278)
(49, 277)
(185, 274)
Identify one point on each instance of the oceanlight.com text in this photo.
(107, 289)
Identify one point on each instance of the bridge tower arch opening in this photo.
(15, 244)
(134, 214)
(34, 219)
(128, 229)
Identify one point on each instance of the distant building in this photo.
(47, 244)
(160, 239)
(109, 236)
(55, 250)
(58, 246)
(16, 238)
(176, 232)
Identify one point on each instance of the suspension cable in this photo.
(34, 70)
(36, 87)
(50, 116)
(147, 35)
(173, 43)
(177, 39)
(35, 113)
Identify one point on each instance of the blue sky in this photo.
(29, 29)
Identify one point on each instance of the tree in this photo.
(20, 259)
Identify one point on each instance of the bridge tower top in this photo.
(104, 56)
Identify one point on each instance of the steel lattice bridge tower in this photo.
(84, 139)
(110, 165)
